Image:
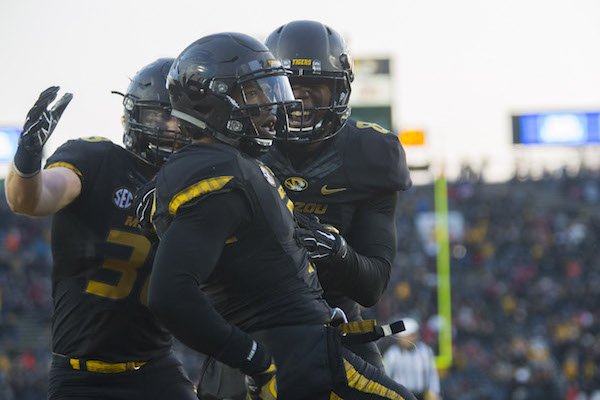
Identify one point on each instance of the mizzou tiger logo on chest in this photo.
(296, 184)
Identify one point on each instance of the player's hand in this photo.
(144, 201)
(38, 127)
(41, 121)
(322, 242)
(262, 386)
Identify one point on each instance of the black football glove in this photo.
(322, 242)
(144, 201)
(262, 386)
(38, 127)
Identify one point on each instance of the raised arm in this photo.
(43, 194)
(29, 190)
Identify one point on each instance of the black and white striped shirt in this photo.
(413, 367)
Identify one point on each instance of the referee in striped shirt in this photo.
(410, 362)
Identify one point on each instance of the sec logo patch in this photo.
(123, 198)
(296, 183)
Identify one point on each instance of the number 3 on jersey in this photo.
(128, 267)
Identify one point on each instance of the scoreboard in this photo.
(561, 128)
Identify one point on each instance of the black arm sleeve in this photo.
(364, 273)
(187, 255)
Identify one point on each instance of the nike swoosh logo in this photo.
(325, 190)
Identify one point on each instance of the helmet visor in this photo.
(157, 133)
(269, 90)
(158, 119)
(264, 101)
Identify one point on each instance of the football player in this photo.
(106, 343)
(346, 173)
(230, 279)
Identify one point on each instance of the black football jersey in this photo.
(362, 161)
(263, 277)
(102, 261)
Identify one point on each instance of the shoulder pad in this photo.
(194, 173)
(85, 147)
(374, 159)
(80, 155)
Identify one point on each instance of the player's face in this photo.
(261, 96)
(161, 128)
(159, 119)
(315, 95)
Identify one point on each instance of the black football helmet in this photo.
(229, 86)
(150, 131)
(321, 67)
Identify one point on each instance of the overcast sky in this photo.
(460, 67)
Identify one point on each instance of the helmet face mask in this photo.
(151, 133)
(323, 107)
(242, 100)
(155, 118)
(155, 132)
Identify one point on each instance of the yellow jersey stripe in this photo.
(196, 190)
(334, 396)
(153, 208)
(74, 363)
(65, 165)
(362, 384)
(281, 192)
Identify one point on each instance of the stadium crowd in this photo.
(525, 290)
(525, 294)
(25, 293)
